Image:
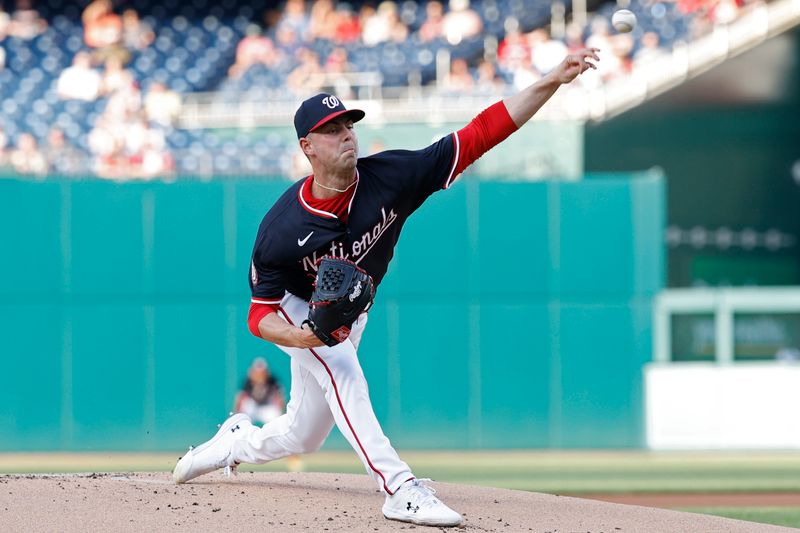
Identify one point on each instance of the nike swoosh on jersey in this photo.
(302, 242)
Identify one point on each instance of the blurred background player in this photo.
(263, 399)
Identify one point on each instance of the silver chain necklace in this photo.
(334, 188)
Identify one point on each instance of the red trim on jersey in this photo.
(255, 300)
(341, 407)
(456, 152)
(335, 207)
(256, 313)
(491, 127)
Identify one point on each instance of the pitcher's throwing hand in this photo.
(575, 64)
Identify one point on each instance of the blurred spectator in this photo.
(698, 14)
(254, 49)
(546, 53)
(649, 51)
(27, 159)
(115, 77)
(118, 132)
(621, 47)
(126, 100)
(80, 81)
(261, 396)
(307, 76)
(574, 37)
(146, 153)
(154, 159)
(26, 22)
(461, 22)
(336, 68)
(128, 149)
(337, 62)
(102, 31)
(105, 147)
(384, 25)
(287, 42)
(398, 31)
(295, 18)
(514, 50)
(136, 34)
(459, 79)
(365, 15)
(488, 81)
(162, 105)
(322, 21)
(599, 33)
(433, 26)
(63, 158)
(347, 27)
(136, 135)
(374, 25)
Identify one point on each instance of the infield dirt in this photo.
(286, 502)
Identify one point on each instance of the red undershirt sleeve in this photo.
(491, 127)
(256, 313)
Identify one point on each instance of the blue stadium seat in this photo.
(188, 11)
(211, 24)
(74, 43)
(180, 24)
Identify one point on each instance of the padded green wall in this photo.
(513, 315)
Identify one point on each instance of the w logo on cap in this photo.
(331, 101)
(319, 109)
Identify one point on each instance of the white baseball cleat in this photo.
(415, 502)
(212, 454)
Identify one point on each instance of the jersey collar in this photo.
(305, 191)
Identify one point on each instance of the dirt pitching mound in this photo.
(315, 502)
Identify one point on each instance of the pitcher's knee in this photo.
(309, 444)
(310, 447)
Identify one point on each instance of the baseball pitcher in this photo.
(320, 252)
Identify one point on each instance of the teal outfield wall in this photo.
(513, 315)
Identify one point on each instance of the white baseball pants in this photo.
(328, 386)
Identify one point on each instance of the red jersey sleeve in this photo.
(491, 127)
(256, 313)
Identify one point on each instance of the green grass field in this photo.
(566, 473)
(779, 516)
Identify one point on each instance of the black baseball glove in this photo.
(342, 291)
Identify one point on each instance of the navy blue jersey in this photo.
(391, 185)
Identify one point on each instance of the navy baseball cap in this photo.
(319, 110)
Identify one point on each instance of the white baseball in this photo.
(623, 20)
